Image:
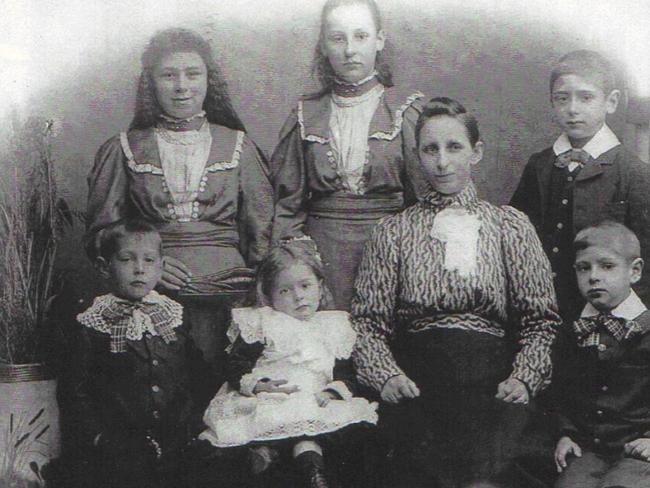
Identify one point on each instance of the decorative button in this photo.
(596, 440)
(604, 388)
(556, 250)
(560, 225)
(195, 204)
(155, 362)
(329, 153)
(156, 414)
(570, 178)
(202, 189)
(174, 216)
(155, 388)
(599, 412)
(204, 178)
(170, 206)
(564, 201)
(195, 215)
(602, 347)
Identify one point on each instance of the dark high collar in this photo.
(191, 123)
(348, 90)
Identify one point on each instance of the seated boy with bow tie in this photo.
(586, 176)
(602, 376)
(135, 387)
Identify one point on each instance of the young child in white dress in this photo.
(286, 374)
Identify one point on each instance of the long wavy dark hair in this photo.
(322, 69)
(217, 104)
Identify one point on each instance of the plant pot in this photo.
(29, 424)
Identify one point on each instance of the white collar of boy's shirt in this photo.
(628, 309)
(600, 143)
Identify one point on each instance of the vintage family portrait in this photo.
(325, 244)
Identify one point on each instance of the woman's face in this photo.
(446, 154)
(351, 41)
(181, 81)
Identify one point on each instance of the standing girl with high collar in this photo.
(345, 157)
(187, 165)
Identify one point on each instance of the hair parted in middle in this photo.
(284, 255)
(217, 104)
(321, 67)
(451, 108)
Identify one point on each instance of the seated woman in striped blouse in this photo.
(455, 313)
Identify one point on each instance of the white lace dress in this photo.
(301, 352)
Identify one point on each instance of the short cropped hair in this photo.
(610, 235)
(589, 65)
(451, 108)
(108, 238)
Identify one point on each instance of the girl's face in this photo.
(446, 154)
(297, 292)
(351, 41)
(181, 82)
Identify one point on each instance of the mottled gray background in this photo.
(77, 61)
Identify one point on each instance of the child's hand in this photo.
(275, 386)
(324, 397)
(175, 274)
(639, 448)
(399, 387)
(565, 446)
(512, 391)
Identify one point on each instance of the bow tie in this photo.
(587, 328)
(579, 156)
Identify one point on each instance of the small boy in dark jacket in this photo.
(586, 176)
(603, 368)
(135, 388)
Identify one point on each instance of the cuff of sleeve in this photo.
(247, 384)
(340, 389)
(383, 378)
(534, 383)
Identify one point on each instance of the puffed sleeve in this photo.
(289, 175)
(107, 187)
(532, 302)
(415, 184)
(256, 203)
(373, 306)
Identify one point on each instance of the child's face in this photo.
(581, 107)
(351, 41)
(604, 276)
(446, 154)
(181, 81)
(135, 267)
(297, 292)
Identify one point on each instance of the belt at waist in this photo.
(463, 321)
(182, 234)
(355, 207)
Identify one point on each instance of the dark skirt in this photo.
(456, 432)
(340, 225)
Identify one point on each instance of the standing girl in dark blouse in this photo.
(455, 313)
(187, 166)
(345, 157)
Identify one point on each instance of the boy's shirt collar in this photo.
(600, 143)
(628, 309)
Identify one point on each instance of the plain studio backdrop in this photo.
(77, 62)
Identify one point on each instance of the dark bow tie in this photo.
(579, 156)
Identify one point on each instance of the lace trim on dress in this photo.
(131, 162)
(303, 135)
(234, 161)
(247, 323)
(399, 118)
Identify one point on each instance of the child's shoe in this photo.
(313, 469)
(261, 457)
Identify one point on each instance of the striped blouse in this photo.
(484, 271)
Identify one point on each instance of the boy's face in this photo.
(604, 276)
(135, 267)
(581, 107)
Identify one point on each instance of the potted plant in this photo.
(32, 218)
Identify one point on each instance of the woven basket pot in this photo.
(29, 424)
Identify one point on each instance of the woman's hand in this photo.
(398, 388)
(638, 448)
(175, 274)
(275, 386)
(565, 446)
(324, 397)
(512, 391)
